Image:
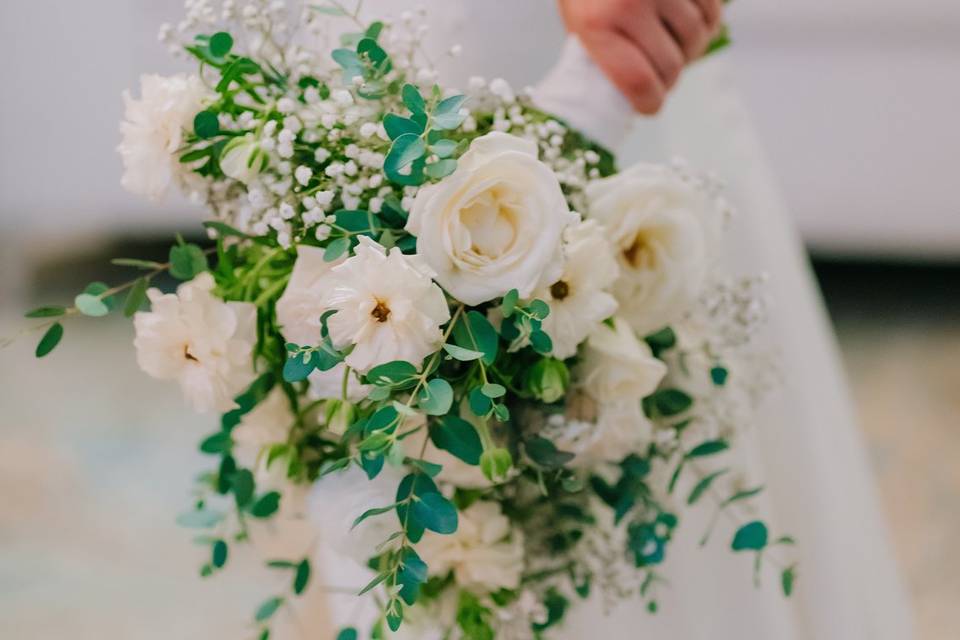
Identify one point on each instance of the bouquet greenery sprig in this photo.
(487, 366)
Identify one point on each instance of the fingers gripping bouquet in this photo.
(505, 369)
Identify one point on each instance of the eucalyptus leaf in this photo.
(750, 537)
(51, 338)
(459, 438)
(436, 513)
(136, 298)
(436, 397)
(46, 312)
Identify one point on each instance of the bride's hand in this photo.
(643, 45)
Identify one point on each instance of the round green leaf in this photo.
(91, 305)
(220, 44)
(436, 397)
(206, 125)
(750, 537)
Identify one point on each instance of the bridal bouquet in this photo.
(503, 369)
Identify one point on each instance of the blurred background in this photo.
(856, 103)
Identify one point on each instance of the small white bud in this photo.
(303, 175)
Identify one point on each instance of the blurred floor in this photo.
(899, 330)
(96, 460)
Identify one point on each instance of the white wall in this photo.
(857, 102)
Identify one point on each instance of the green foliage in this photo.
(51, 338)
(667, 403)
(545, 454)
(473, 618)
(347, 634)
(186, 261)
(703, 485)
(496, 464)
(661, 341)
(750, 537)
(46, 312)
(269, 607)
(94, 301)
(412, 574)
(266, 505)
(436, 397)
(136, 298)
(435, 513)
(458, 437)
(474, 332)
(548, 379)
(206, 125)
(788, 578)
(719, 375)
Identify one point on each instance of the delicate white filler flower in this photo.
(199, 340)
(387, 305)
(617, 366)
(579, 300)
(664, 230)
(153, 132)
(495, 223)
(485, 554)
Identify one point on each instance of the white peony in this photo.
(153, 132)
(386, 305)
(199, 340)
(495, 223)
(664, 230)
(485, 554)
(617, 366)
(243, 159)
(579, 300)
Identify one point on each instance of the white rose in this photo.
(386, 305)
(579, 299)
(617, 429)
(243, 159)
(495, 223)
(664, 230)
(153, 129)
(199, 340)
(617, 365)
(485, 553)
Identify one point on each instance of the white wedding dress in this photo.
(805, 447)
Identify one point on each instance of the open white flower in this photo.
(153, 132)
(664, 230)
(579, 299)
(199, 340)
(495, 223)
(300, 307)
(617, 366)
(386, 305)
(485, 554)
